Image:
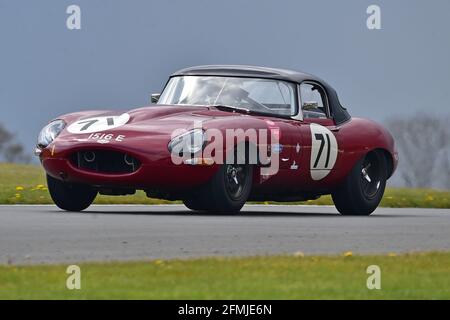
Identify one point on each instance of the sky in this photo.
(125, 50)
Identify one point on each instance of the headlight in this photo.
(50, 132)
(189, 142)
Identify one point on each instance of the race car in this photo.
(219, 136)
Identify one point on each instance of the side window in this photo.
(314, 101)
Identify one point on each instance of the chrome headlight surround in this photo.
(190, 142)
(49, 133)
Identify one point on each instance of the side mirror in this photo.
(310, 105)
(155, 97)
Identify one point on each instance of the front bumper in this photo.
(155, 171)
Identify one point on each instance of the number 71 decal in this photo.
(324, 151)
(98, 124)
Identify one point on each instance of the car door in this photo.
(280, 98)
(316, 146)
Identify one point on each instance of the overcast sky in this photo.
(125, 50)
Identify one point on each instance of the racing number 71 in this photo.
(322, 137)
(88, 123)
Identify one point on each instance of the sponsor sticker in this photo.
(277, 148)
(294, 166)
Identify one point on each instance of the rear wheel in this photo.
(363, 189)
(227, 191)
(70, 196)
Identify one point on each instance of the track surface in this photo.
(43, 234)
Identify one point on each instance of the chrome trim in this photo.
(324, 91)
(299, 115)
(37, 151)
(154, 97)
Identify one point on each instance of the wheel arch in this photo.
(389, 160)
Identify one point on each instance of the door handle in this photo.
(335, 129)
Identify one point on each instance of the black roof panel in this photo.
(247, 71)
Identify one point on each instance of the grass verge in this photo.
(25, 184)
(409, 276)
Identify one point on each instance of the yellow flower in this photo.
(19, 188)
(17, 195)
(429, 198)
(348, 254)
(40, 187)
(159, 262)
(392, 254)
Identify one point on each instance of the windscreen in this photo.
(259, 95)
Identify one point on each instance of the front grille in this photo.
(105, 161)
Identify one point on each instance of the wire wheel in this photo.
(235, 180)
(371, 176)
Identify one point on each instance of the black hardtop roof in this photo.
(248, 71)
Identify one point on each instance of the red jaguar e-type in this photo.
(219, 136)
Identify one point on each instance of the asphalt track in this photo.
(44, 234)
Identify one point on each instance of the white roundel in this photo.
(324, 150)
(97, 124)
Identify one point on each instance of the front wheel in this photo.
(362, 190)
(70, 196)
(227, 191)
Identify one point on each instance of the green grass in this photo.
(409, 276)
(32, 179)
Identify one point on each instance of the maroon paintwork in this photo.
(149, 130)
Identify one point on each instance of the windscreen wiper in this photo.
(227, 107)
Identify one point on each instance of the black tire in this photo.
(222, 195)
(195, 203)
(70, 196)
(363, 189)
